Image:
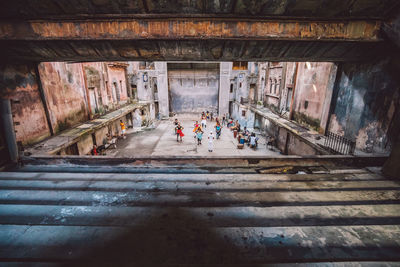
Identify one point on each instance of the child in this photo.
(196, 128)
(179, 132)
(218, 130)
(199, 135)
(175, 125)
(122, 128)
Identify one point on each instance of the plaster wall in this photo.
(96, 78)
(85, 144)
(366, 107)
(313, 84)
(19, 83)
(117, 81)
(64, 87)
(194, 90)
(272, 87)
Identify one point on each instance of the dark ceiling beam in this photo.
(191, 29)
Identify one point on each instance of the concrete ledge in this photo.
(68, 137)
(193, 162)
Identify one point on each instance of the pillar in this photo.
(162, 86)
(224, 87)
(8, 128)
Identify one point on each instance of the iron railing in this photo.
(338, 144)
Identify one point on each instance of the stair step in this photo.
(198, 243)
(189, 177)
(211, 216)
(132, 198)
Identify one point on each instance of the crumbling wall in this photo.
(19, 83)
(367, 105)
(194, 90)
(64, 88)
(272, 85)
(96, 80)
(312, 86)
(117, 82)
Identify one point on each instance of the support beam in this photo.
(191, 28)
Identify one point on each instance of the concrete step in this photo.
(182, 219)
(210, 216)
(179, 243)
(186, 186)
(200, 199)
(182, 177)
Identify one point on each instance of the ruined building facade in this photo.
(357, 102)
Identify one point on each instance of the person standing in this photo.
(199, 135)
(175, 125)
(204, 123)
(123, 130)
(218, 130)
(223, 120)
(197, 127)
(179, 132)
(210, 142)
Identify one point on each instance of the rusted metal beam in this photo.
(191, 28)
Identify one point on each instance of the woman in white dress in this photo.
(210, 142)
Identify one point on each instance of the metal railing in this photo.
(338, 144)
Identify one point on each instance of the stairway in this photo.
(340, 217)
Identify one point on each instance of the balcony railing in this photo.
(338, 144)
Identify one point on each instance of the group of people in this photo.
(200, 128)
(109, 141)
(246, 137)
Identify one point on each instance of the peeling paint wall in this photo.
(272, 85)
(117, 82)
(96, 78)
(312, 87)
(19, 83)
(367, 105)
(64, 87)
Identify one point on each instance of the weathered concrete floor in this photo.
(229, 219)
(162, 142)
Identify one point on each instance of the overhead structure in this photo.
(92, 30)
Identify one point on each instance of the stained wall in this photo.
(367, 105)
(19, 83)
(64, 88)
